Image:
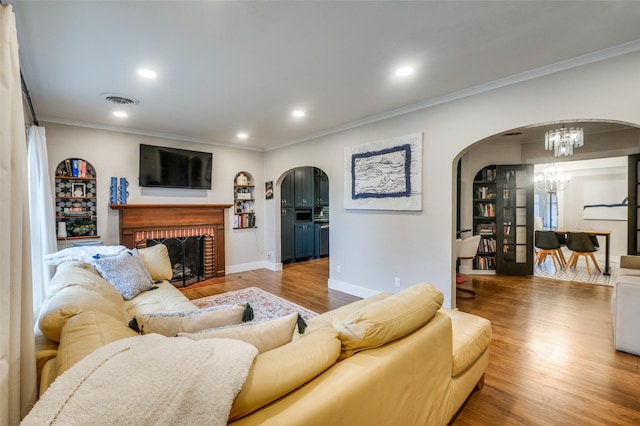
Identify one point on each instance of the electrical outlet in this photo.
(396, 282)
(338, 268)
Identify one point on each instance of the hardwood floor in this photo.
(552, 358)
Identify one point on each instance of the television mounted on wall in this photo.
(163, 167)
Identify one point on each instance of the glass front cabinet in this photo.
(503, 216)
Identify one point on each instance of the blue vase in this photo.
(123, 191)
(113, 197)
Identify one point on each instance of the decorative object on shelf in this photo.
(78, 190)
(113, 190)
(563, 140)
(81, 228)
(62, 230)
(123, 191)
(268, 190)
(241, 179)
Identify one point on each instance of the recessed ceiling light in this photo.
(298, 113)
(242, 135)
(404, 71)
(142, 72)
(120, 114)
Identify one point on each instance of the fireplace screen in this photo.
(192, 257)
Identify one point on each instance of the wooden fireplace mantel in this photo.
(148, 217)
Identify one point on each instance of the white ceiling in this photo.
(224, 67)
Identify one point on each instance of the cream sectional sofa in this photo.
(625, 306)
(386, 360)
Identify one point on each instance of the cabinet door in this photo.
(515, 220)
(303, 240)
(321, 188)
(303, 187)
(286, 191)
(286, 235)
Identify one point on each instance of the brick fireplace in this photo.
(157, 222)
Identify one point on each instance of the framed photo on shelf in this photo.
(78, 190)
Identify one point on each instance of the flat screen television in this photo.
(174, 168)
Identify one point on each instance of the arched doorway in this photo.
(603, 139)
(304, 215)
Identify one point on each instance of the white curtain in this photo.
(43, 233)
(17, 354)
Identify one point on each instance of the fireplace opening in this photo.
(192, 257)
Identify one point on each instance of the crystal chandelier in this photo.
(563, 140)
(551, 180)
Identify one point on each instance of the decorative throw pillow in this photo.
(156, 260)
(264, 335)
(171, 323)
(126, 272)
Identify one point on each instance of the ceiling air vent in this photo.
(119, 99)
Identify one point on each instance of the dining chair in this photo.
(581, 245)
(466, 249)
(548, 245)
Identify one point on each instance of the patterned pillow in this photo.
(126, 272)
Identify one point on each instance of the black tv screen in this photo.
(174, 168)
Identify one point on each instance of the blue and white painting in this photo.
(605, 200)
(385, 175)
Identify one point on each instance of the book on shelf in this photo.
(486, 229)
(486, 209)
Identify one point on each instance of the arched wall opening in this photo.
(525, 145)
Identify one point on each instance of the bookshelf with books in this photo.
(484, 218)
(244, 201)
(75, 200)
(503, 216)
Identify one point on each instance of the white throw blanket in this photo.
(82, 254)
(149, 380)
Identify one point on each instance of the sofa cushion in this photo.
(171, 323)
(75, 288)
(471, 337)
(265, 336)
(277, 372)
(156, 260)
(165, 298)
(389, 319)
(126, 272)
(86, 332)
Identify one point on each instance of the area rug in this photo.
(579, 274)
(265, 305)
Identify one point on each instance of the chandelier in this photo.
(551, 180)
(562, 140)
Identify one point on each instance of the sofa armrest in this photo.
(630, 262)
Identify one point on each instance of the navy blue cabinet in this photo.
(286, 191)
(286, 233)
(303, 240)
(303, 186)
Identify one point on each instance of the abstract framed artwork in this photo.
(384, 175)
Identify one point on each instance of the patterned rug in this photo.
(579, 274)
(265, 305)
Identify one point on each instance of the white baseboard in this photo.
(272, 266)
(351, 289)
